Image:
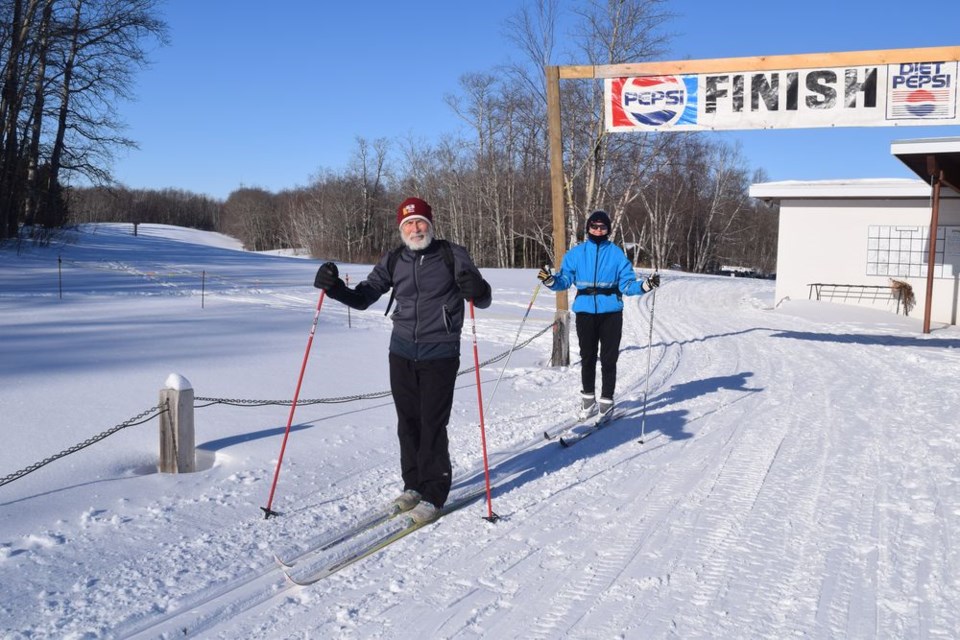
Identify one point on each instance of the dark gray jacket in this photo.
(429, 310)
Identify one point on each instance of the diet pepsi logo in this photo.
(654, 101)
(920, 103)
(922, 91)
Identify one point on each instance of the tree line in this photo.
(64, 64)
(677, 200)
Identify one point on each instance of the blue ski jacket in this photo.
(602, 275)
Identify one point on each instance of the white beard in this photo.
(418, 242)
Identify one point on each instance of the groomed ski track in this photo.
(712, 528)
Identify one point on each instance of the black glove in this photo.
(651, 283)
(472, 286)
(327, 277)
(545, 276)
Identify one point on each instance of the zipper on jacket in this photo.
(596, 270)
(417, 264)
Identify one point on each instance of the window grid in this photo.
(901, 251)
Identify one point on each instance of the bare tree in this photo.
(35, 192)
(251, 215)
(65, 65)
(603, 170)
(345, 215)
(720, 199)
(368, 169)
(752, 238)
(677, 198)
(662, 200)
(600, 170)
(491, 111)
(18, 23)
(106, 46)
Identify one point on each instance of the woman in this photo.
(602, 275)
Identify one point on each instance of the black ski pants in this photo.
(423, 396)
(599, 333)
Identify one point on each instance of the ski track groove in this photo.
(626, 541)
(851, 570)
(768, 551)
(747, 474)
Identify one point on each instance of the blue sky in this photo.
(243, 97)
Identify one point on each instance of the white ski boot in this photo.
(407, 500)
(588, 405)
(606, 408)
(423, 513)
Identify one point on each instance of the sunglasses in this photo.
(598, 225)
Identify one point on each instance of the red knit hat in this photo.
(413, 208)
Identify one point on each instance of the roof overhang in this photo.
(884, 188)
(930, 158)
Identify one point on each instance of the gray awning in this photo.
(928, 157)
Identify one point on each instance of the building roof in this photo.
(928, 157)
(841, 189)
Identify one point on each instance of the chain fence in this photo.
(364, 396)
(141, 418)
(153, 412)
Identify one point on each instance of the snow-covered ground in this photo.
(800, 474)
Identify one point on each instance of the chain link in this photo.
(135, 420)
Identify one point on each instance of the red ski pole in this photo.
(491, 516)
(267, 511)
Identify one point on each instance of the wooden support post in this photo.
(936, 174)
(177, 441)
(561, 335)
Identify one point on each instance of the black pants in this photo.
(423, 396)
(599, 331)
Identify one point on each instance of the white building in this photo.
(846, 240)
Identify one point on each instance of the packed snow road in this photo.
(798, 473)
(775, 494)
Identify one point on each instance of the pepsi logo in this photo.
(920, 103)
(653, 101)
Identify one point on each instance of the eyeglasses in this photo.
(599, 226)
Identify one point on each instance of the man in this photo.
(430, 279)
(603, 275)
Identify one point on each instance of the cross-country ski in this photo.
(369, 542)
(570, 439)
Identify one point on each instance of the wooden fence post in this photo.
(177, 442)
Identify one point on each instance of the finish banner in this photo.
(902, 94)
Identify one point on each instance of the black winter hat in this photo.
(598, 216)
